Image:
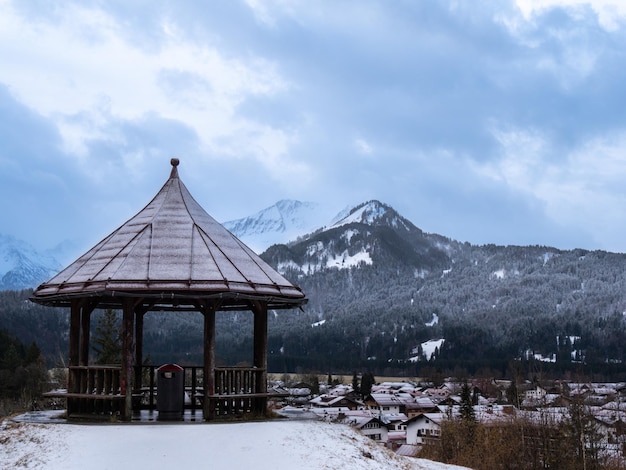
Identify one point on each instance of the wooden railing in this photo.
(238, 390)
(96, 390)
(97, 380)
(237, 381)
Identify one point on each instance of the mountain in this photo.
(22, 266)
(382, 293)
(385, 296)
(371, 233)
(280, 223)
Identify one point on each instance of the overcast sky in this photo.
(488, 122)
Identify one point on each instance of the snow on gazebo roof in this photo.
(175, 253)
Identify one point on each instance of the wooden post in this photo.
(126, 374)
(85, 329)
(74, 340)
(73, 378)
(208, 405)
(138, 349)
(260, 353)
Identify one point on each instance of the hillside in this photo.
(261, 445)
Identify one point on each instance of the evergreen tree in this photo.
(314, 382)
(33, 354)
(355, 383)
(466, 408)
(10, 360)
(367, 380)
(475, 394)
(512, 395)
(107, 342)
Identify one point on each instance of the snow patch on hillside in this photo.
(498, 274)
(348, 234)
(429, 347)
(428, 350)
(345, 260)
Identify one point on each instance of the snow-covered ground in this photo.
(284, 444)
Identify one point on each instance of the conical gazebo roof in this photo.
(175, 253)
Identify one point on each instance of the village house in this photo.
(332, 401)
(389, 402)
(298, 395)
(371, 427)
(437, 394)
(424, 428)
(536, 393)
(420, 405)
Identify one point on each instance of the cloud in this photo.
(582, 191)
(498, 119)
(103, 78)
(611, 14)
(363, 147)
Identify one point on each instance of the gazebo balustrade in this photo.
(237, 389)
(96, 389)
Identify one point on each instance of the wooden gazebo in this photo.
(171, 256)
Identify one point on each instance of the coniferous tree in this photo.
(512, 395)
(10, 360)
(33, 354)
(313, 382)
(467, 408)
(367, 380)
(107, 343)
(355, 383)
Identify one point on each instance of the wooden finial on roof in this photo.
(174, 162)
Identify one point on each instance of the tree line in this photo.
(23, 374)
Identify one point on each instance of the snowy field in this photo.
(252, 445)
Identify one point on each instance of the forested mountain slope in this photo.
(492, 303)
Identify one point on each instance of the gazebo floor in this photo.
(138, 417)
(152, 416)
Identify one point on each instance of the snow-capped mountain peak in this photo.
(280, 223)
(288, 220)
(373, 213)
(22, 266)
